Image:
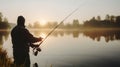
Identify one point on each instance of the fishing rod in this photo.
(37, 48)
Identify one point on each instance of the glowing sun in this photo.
(43, 21)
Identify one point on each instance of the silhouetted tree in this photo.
(5, 20)
(76, 23)
(112, 18)
(68, 26)
(62, 26)
(30, 25)
(51, 25)
(36, 24)
(107, 17)
(1, 17)
(93, 19)
(98, 18)
(118, 19)
(54, 24)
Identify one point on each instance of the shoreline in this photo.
(74, 29)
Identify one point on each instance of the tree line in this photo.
(95, 22)
(3, 22)
(109, 21)
(50, 25)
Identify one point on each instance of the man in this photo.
(21, 39)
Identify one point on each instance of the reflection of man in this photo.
(21, 38)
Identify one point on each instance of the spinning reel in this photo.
(36, 48)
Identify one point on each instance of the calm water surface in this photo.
(96, 48)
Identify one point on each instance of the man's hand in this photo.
(34, 45)
(40, 38)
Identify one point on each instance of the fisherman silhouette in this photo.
(21, 39)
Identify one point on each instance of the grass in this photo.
(4, 60)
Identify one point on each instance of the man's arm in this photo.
(30, 38)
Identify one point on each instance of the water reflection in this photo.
(3, 36)
(109, 35)
(74, 33)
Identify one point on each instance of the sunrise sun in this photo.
(43, 21)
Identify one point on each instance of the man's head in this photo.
(21, 21)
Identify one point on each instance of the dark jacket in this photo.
(21, 38)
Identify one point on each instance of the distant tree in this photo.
(68, 25)
(76, 23)
(118, 19)
(62, 26)
(1, 17)
(5, 20)
(5, 23)
(107, 17)
(98, 18)
(93, 19)
(54, 24)
(112, 18)
(30, 25)
(86, 23)
(36, 25)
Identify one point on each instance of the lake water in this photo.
(88, 48)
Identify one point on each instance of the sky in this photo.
(57, 10)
